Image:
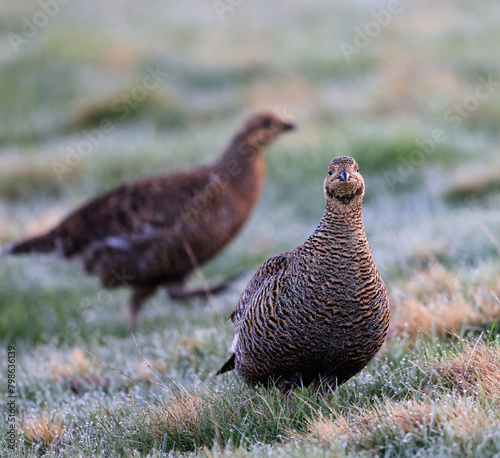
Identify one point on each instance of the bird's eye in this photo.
(330, 170)
(356, 167)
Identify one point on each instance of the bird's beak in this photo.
(344, 176)
(289, 126)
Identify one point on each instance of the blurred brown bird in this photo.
(317, 313)
(154, 232)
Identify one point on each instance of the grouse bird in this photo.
(316, 314)
(154, 232)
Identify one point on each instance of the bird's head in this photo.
(343, 183)
(261, 129)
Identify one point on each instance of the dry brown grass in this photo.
(435, 300)
(74, 364)
(177, 415)
(475, 370)
(38, 430)
(406, 417)
(147, 370)
(403, 418)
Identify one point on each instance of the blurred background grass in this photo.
(88, 64)
(213, 68)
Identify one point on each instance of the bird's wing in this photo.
(264, 283)
(138, 211)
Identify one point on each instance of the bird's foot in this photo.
(178, 292)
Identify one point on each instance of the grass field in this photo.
(411, 90)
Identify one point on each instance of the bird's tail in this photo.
(42, 244)
(228, 366)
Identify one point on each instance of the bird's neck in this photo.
(338, 240)
(241, 161)
(339, 222)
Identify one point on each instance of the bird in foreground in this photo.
(316, 314)
(154, 232)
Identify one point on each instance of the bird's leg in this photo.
(286, 385)
(178, 291)
(326, 385)
(140, 294)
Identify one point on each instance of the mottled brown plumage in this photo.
(156, 231)
(317, 313)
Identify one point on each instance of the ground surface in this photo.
(416, 102)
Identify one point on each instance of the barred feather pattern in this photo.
(317, 313)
